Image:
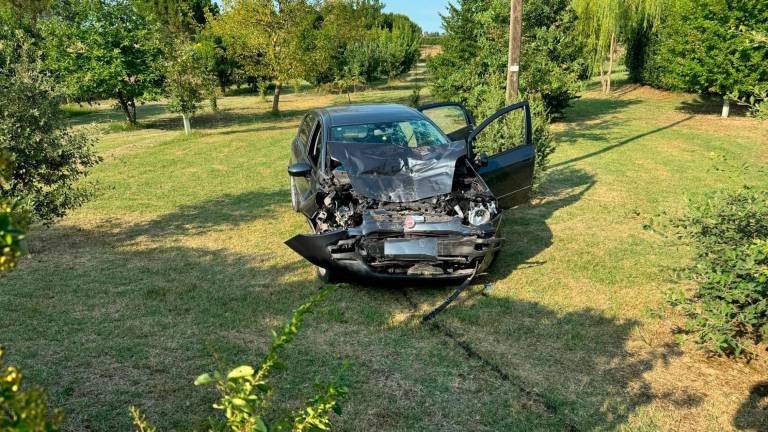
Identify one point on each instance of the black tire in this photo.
(326, 275)
(294, 195)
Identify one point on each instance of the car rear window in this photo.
(410, 133)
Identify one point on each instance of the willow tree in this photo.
(602, 24)
(270, 38)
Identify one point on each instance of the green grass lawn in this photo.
(178, 267)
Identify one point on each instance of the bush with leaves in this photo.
(727, 313)
(244, 391)
(24, 410)
(48, 158)
(705, 46)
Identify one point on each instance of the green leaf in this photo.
(204, 379)
(240, 372)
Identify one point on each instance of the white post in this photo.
(187, 126)
(726, 108)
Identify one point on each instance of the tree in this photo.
(475, 53)
(602, 24)
(48, 158)
(27, 9)
(270, 38)
(178, 16)
(187, 80)
(707, 47)
(100, 49)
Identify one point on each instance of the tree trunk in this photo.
(726, 108)
(187, 125)
(132, 104)
(126, 107)
(602, 76)
(276, 98)
(611, 54)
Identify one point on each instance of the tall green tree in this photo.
(178, 16)
(272, 38)
(603, 24)
(473, 65)
(104, 49)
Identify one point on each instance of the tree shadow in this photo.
(710, 105)
(104, 323)
(753, 413)
(525, 228)
(550, 370)
(227, 118)
(620, 143)
(588, 109)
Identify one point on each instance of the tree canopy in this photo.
(100, 49)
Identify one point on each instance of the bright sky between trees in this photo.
(425, 13)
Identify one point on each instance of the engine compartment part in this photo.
(340, 206)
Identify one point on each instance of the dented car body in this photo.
(395, 193)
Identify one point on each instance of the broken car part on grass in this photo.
(394, 193)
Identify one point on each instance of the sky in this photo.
(426, 13)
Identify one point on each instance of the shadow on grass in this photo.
(107, 319)
(553, 370)
(225, 119)
(587, 109)
(614, 145)
(753, 413)
(710, 105)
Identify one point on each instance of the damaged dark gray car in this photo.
(392, 192)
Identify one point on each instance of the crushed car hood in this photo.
(399, 174)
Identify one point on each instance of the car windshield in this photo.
(410, 133)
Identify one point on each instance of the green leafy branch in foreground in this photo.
(24, 410)
(244, 390)
(12, 243)
(727, 312)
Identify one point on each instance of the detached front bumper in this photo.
(381, 249)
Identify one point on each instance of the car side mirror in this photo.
(482, 160)
(300, 169)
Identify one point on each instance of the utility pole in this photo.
(515, 36)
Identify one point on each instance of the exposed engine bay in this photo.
(340, 207)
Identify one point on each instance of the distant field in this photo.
(179, 266)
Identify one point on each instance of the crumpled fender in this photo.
(314, 247)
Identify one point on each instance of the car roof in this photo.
(344, 115)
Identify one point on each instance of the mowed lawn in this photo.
(178, 267)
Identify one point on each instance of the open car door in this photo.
(504, 155)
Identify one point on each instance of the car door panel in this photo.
(509, 173)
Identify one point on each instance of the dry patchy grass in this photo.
(178, 266)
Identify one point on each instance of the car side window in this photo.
(505, 133)
(304, 129)
(450, 119)
(315, 143)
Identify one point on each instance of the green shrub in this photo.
(24, 410)
(49, 159)
(727, 314)
(244, 391)
(703, 46)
